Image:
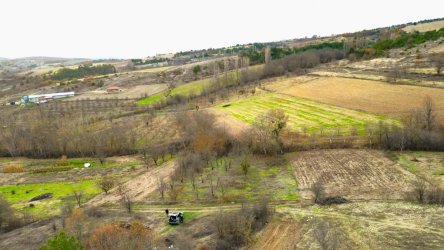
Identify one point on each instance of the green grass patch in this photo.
(306, 115)
(195, 87)
(57, 165)
(20, 195)
(407, 164)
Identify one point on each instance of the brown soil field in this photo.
(370, 96)
(132, 92)
(353, 174)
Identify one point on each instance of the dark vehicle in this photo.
(175, 218)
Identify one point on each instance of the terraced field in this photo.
(306, 114)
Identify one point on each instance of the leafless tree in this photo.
(437, 60)
(420, 189)
(429, 113)
(126, 199)
(221, 184)
(107, 183)
(161, 187)
(78, 194)
(317, 189)
(267, 55)
(272, 123)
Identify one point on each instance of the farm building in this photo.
(114, 89)
(42, 98)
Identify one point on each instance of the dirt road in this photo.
(279, 235)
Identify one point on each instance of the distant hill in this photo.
(49, 60)
(29, 63)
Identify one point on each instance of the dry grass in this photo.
(13, 169)
(370, 96)
(423, 27)
(428, 165)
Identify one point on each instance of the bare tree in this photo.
(420, 191)
(437, 60)
(394, 72)
(126, 199)
(211, 182)
(267, 55)
(174, 191)
(78, 194)
(106, 183)
(429, 113)
(317, 189)
(221, 184)
(272, 123)
(161, 187)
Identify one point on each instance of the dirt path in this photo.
(138, 188)
(278, 235)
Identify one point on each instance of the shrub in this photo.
(13, 169)
(6, 212)
(62, 241)
(94, 212)
(106, 183)
(114, 236)
(331, 200)
(235, 229)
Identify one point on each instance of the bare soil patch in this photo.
(138, 91)
(353, 174)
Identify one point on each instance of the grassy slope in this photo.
(428, 165)
(19, 195)
(195, 87)
(303, 112)
(44, 176)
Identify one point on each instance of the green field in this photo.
(56, 165)
(303, 113)
(20, 195)
(195, 87)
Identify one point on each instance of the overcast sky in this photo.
(136, 28)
